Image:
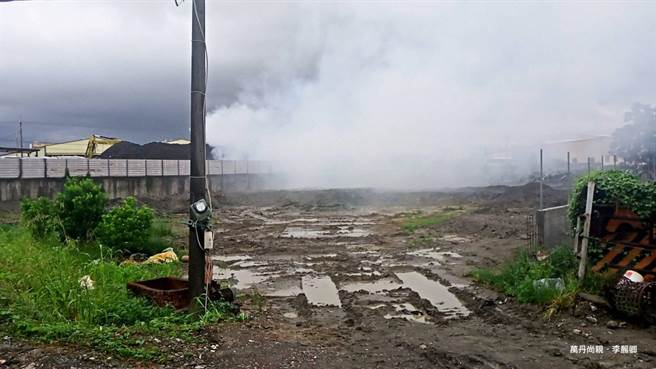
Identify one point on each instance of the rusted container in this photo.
(163, 291)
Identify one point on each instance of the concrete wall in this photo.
(153, 188)
(553, 227)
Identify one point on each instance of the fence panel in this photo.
(77, 167)
(241, 167)
(185, 167)
(118, 168)
(229, 167)
(9, 168)
(214, 167)
(33, 168)
(136, 168)
(154, 167)
(170, 168)
(98, 167)
(56, 168)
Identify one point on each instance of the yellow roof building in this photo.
(88, 147)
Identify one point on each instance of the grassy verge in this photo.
(518, 279)
(41, 298)
(413, 222)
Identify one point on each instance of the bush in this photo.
(126, 228)
(517, 277)
(40, 217)
(81, 206)
(614, 187)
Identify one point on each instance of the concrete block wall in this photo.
(552, 227)
(153, 188)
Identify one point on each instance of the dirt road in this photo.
(332, 285)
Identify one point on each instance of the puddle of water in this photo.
(290, 315)
(408, 312)
(433, 291)
(250, 264)
(434, 254)
(320, 256)
(454, 238)
(320, 291)
(231, 258)
(381, 285)
(409, 317)
(243, 278)
(304, 232)
(283, 288)
(302, 271)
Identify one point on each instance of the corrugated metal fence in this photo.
(57, 167)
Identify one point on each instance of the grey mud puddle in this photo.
(231, 258)
(408, 312)
(320, 291)
(378, 286)
(241, 278)
(435, 254)
(436, 293)
(317, 232)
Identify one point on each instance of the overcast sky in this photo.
(315, 85)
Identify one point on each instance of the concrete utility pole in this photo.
(20, 133)
(541, 181)
(197, 170)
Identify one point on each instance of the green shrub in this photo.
(126, 228)
(40, 217)
(81, 206)
(517, 277)
(614, 187)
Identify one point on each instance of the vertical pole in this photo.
(161, 162)
(614, 161)
(127, 170)
(45, 168)
(602, 162)
(568, 165)
(109, 172)
(145, 167)
(222, 190)
(20, 133)
(88, 168)
(178, 167)
(197, 170)
(20, 167)
(586, 230)
(541, 181)
(588, 165)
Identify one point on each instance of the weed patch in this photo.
(518, 279)
(42, 297)
(412, 223)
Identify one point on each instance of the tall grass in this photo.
(517, 278)
(41, 297)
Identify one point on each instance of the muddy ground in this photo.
(331, 280)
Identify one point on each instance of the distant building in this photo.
(90, 147)
(580, 149)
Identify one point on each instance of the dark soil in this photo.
(284, 237)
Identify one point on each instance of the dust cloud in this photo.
(426, 95)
